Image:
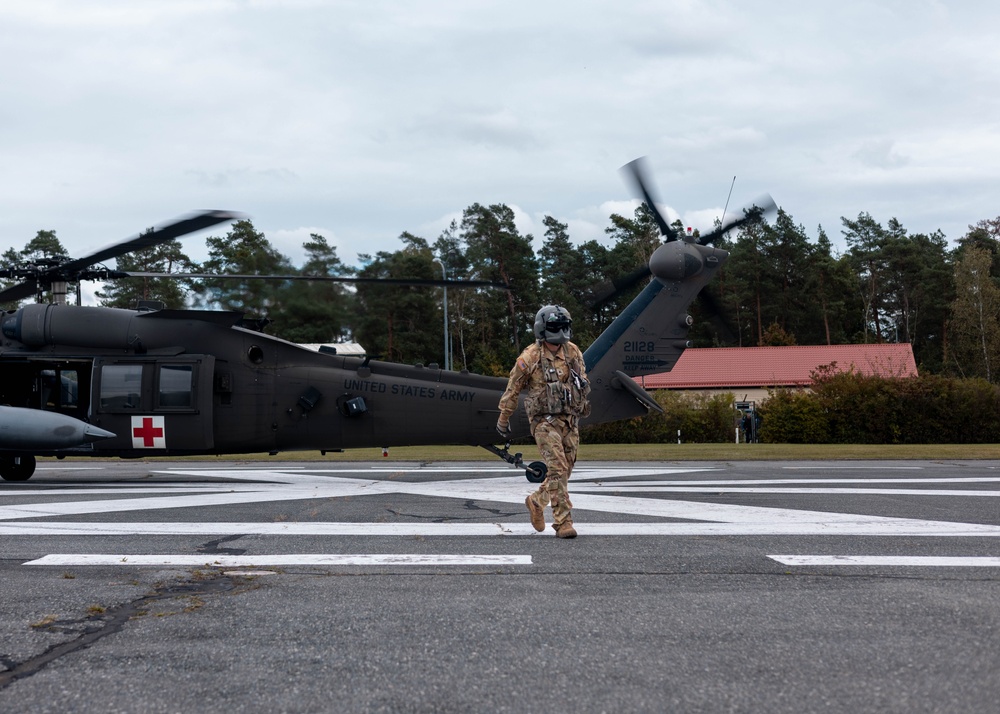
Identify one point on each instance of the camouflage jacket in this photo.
(557, 383)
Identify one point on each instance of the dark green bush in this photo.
(841, 408)
(700, 419)
(793, 417)
(860, 409)
(850, 408)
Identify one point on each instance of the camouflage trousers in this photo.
(558, 441)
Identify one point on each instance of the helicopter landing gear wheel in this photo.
(536, 471)
(19, 467)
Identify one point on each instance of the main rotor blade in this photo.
(19, 292)
(612, 288)
(766, 205)
(174, 229)
(716, 318)
(325, 278)
(636, 170)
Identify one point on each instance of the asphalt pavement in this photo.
(401, 587)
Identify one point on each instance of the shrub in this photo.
(700, 419)
(842, 408)
(793, 417)
(860, 409)
(849, 408)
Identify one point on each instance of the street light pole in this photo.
(447, 344)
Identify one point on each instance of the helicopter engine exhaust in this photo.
(40, 325)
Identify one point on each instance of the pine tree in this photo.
(454, 266)
(866, 240)
(398, 321)
(975, 331)
(45, 247)
(498, 252)
(167, 257)
(317, 311)
(244, 251)
(565, 278)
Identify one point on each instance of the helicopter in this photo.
(182, 382)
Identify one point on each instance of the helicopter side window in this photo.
(121, 386)
(176, 381)
(49, 391)
(59, 389)
(69, 393)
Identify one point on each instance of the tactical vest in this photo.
(552, 395)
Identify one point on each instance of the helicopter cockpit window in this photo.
(121, 386)
(175, 382)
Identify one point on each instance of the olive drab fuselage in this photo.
(191, 382)
(195, 382)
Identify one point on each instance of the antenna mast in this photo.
(722, 221)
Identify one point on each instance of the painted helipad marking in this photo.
(936, 561)
(853, 468)
(777, 522)
(278, 485)
(236, 561)
(645, 515)
(654, 488)
(119, 490)
(577, 482)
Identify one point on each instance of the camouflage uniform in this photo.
(555, 402)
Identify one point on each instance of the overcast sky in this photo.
(361, 120)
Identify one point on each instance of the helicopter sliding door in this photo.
(155, 403)
(41, 382)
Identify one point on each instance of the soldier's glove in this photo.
(503, 429)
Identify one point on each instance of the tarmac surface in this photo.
(400, 587)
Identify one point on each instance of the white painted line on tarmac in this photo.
(784, 481)
(817, 525)
(936, 561)
(236, 561)
(121, 490)
(69, 468)
(852, 468)
(653, 488)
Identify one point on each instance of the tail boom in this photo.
(649, 336)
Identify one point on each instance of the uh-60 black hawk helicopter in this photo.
(96, 381)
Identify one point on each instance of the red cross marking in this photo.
(147, 432)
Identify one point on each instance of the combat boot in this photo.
(537, 514)
(565, 529)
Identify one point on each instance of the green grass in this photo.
(638, 452)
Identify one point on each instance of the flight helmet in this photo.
(553, 325)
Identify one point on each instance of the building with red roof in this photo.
(748, 372)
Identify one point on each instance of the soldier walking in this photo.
(554, 373)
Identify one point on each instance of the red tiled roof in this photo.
(722, 367)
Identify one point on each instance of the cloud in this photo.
(881, 154)
(375, 118)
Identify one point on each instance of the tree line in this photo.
(780, 286)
